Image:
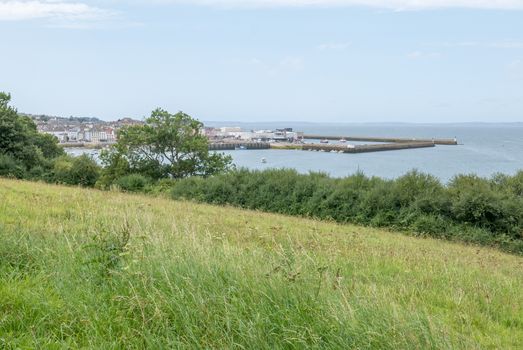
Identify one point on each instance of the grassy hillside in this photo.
(82, 268)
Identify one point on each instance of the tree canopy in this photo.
(165, 146)
(20, 139)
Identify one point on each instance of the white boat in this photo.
(264, 160)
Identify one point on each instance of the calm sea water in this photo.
(485, 149)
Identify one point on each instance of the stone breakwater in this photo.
(382, 139)
(366, 148)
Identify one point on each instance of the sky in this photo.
(266, 60)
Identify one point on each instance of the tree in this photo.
(20, 139)
(48, 145)
(15, 133)
(167, 145)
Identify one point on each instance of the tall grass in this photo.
(468, 209)
(89, 269)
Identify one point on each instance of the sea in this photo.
(483, 149)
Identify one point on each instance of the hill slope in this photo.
(82, 268)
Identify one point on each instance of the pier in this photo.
(227, 146)
(382, 144)
(381, 139)
(366, 148)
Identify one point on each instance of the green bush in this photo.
(481, 203)
(161, 187)
(9, 167)
(85, 171)
(62, 169)
(38, 173)
(431, 225)
(132, 183)
(82, 170)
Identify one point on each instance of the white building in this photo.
(60, 135)
(230, 129)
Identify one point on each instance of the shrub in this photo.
(62, 169)
(9, 167)
(81, 170)
(85, 171)
(478, 202)
(414, 186)
(132, 183)
(431, 225)
(515, 184)
(161, 187)
(38, 173)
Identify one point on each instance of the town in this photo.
(81, 130)
(93, 132)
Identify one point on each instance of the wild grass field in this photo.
(105, 270)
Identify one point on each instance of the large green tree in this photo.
(20, 140)
(166, 145)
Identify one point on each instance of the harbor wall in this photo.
(367, 148)
(234, 145)
(381, 139)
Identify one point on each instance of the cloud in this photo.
(516, 64)
(333, 46)
(62, 11)
(507, 45)
(255, 61)
(286, 64)
(515, 69)
(414, 55)
(502, 44)
(388, 4)
(292, 63)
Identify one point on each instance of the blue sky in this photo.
(267, 60)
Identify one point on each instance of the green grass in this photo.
(88, 269)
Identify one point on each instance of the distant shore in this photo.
(90, 145)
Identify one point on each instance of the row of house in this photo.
(105, 135)
(82, 129)
(94, 130)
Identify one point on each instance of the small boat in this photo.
(343, 140)
(264, 160)
(240, 148)
(324, 141)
